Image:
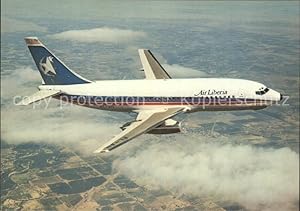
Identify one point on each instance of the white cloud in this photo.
(258, 179)
(13, 82)
(81, 128)
(70, 126)
(178, 71)
(13, 25)
(104, 34)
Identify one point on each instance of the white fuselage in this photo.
(194, 94)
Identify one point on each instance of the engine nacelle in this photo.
(167, 127)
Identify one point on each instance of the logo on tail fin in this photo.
(46, 66)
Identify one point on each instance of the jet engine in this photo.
(167, 127)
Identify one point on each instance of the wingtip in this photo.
(21, 103)
(142, 50)
(101, 151)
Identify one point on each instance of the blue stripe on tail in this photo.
(52, 70)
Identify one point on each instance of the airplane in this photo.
(155, 99)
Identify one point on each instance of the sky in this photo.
(99, 40)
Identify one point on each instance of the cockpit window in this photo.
(262, 92)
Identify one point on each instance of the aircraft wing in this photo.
(41, 94)
(151, 67)
(145, 121)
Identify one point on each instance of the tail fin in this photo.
(52, 70)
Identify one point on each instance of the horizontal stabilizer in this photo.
(42, 94)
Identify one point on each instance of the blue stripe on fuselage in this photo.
(163, 100)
